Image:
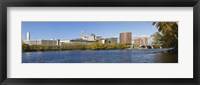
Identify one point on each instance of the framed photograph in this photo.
(59, 42)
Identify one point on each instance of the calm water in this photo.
(100, 56)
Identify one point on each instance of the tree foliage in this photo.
(75, 46)
(167, 34)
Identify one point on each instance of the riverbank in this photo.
(75, 46)
(82, 46)
(158, 50)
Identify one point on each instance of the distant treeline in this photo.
(75, 46)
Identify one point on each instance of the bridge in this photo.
(148, 46)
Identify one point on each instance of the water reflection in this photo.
(100, 56)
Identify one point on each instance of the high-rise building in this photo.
(144, 40)
(126, 38)
(28, 36)
(137, 41)
(141, 41)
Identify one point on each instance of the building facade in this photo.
(28, 36)
(141, 41)
(137, 41)
(88, 37)
(103, 41)
(40, 42)
(111, 40)
(91, 37)
(98, 38)
(126, 38)
(43, 42)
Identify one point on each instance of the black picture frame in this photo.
(98, 3)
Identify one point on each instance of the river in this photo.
(100, 56)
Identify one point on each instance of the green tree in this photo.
(167, 34)
(25, 47)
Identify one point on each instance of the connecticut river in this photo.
(100, 56)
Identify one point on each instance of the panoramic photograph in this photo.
(99, 42)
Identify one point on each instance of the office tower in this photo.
(126, 38)
(141, 41)
(28, 36)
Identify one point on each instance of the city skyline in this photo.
(71, 30)
(99, 42)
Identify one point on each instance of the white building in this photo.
(87, 37)
(28, 36)
(103, 41)
(64, 42)
(43, 42)
(98, 37)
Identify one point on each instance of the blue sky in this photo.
(71, 30)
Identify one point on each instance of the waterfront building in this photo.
(144, 41)
(98, 38)
(141, 41)
(81, 41)
(28, 36)
(87, 37)
(91, 37)
(42, 42)
(64, 42)
(111, 40)
(137, 41)
(103, 41)
(58, 42)
(126, 38)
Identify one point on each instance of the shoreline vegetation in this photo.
(75, 46)
(82, 46)
(167, 35)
